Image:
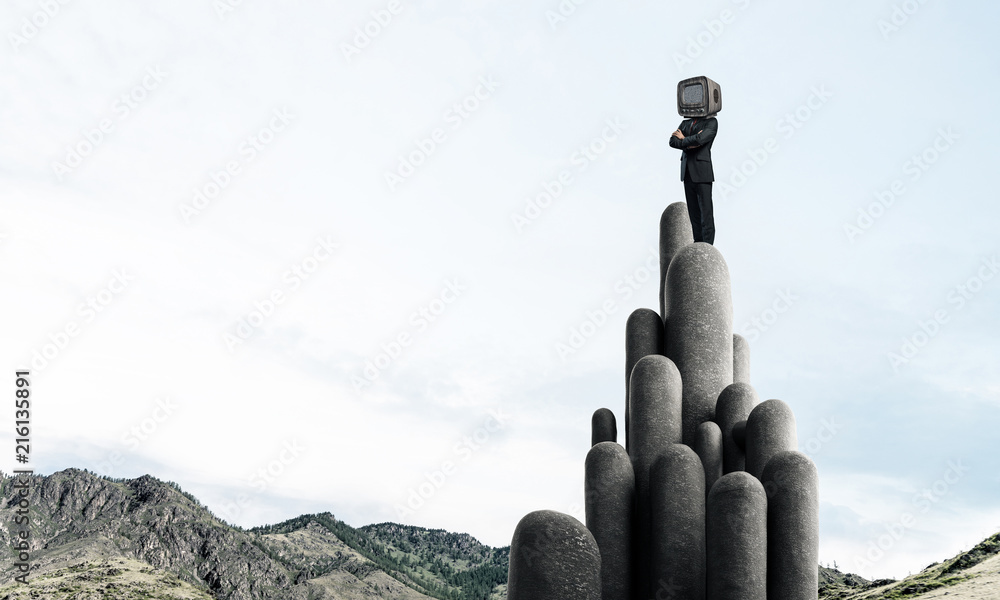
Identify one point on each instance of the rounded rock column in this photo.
(736, 526)
(699, 329)
(708, 447)
(734, 405)
(643, 336)
(655, 400)
(741, 359)
(770, 429)
(792, 487)
(609, 491)
(677, 519)
(553, 557)
(603, 427)
(675, 233)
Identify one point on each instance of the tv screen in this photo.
(693, 94)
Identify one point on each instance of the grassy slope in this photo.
(970, 575)
(115, 578)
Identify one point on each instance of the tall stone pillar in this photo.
(677, 515)
(792, 487)
(741, 359)
(734, 406)
(675, 233)
(609, 492)
(643, 336)
(708, 447)
(699, 328)
(737, 539)
(656, 424)
(603, 427)
(770, 429)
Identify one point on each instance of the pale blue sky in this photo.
(308, 129)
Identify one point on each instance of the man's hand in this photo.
(677, 134)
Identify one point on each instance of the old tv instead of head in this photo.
(698, 97)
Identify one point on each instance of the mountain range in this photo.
(98, 537)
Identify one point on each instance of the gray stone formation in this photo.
(770, 429)
(675, 233)
(677, 503)
(708, 499)
(643, 336)
(655, 402)
(791, 484)
(609, 493)
(603, 427)
(708, 447)
(741, 359)
(699, 329)
(736, 535)
(553, 556)
(733, 407)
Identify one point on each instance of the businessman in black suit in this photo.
(694, 138)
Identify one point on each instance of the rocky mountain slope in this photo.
(972, 575)
(101, 534)
(94, 537)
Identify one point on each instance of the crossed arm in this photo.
(704, 136)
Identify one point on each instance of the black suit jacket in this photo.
(696, 148)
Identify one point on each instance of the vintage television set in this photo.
(698, 97)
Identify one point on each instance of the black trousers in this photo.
(699, 201)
